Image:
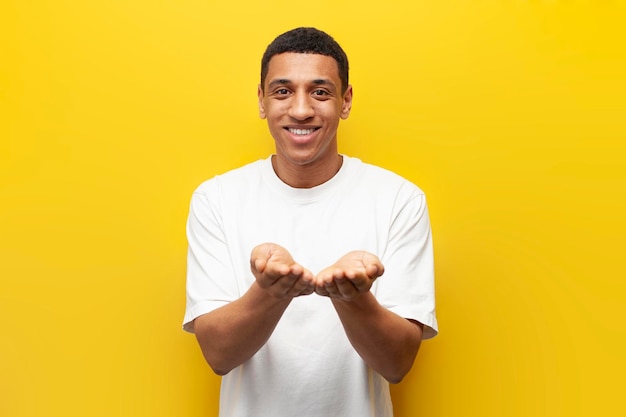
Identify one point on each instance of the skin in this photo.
(303, 92)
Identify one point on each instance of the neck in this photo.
(306, 175)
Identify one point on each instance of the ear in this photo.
(346, 105)
(262, 114)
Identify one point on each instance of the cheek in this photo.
(332, 116)
(274, 110)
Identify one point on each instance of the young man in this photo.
(285, 285)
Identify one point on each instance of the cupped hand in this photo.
(352, 275)
(277, 272)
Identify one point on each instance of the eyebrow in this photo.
(285, 81)
(279, 81)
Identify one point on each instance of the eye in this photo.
(320, 93)
(281, 92)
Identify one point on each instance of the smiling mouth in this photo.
(301, 132)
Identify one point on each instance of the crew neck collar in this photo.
(306, 194)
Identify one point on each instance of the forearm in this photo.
(387, 342)
(232, 334)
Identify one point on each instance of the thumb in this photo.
(374, 270)
(259, 264)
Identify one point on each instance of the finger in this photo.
(332, 290)
(323, 278)
(308, 281)
(299, 290)
(299, 281)
(373, 265)
(262, 251)
(362, 284)
(301, 287)
(277, 270)
(340, 274)
(268, 281)
(307, 276)
(284, 285)
(346, 289)
(296, 269)
(258, 264)
(321, 290)
(307, 291)
(375, 270)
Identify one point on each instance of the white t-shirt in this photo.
(308, 367)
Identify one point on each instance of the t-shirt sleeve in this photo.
(210, 276)
(407, 286)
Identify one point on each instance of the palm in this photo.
(275, 270)
(352, 275)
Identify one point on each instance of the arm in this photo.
(387, 342)
(232, 334)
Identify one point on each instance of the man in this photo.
(285, 291)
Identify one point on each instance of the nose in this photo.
(301, 107)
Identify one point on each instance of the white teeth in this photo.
(301, 131)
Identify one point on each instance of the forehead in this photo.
(299, 67)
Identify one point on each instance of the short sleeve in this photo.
(407, 287)
(210, 275)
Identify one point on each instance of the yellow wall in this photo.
(509, 114)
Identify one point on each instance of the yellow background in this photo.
(509, 114)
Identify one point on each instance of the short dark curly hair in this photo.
(307, 40)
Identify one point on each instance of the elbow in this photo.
(218, 365)
(212, 354)
(396, 372)
(405, 359)
(219, 371)
(397, 377)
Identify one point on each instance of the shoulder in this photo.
(382, 179)
(233, 180)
